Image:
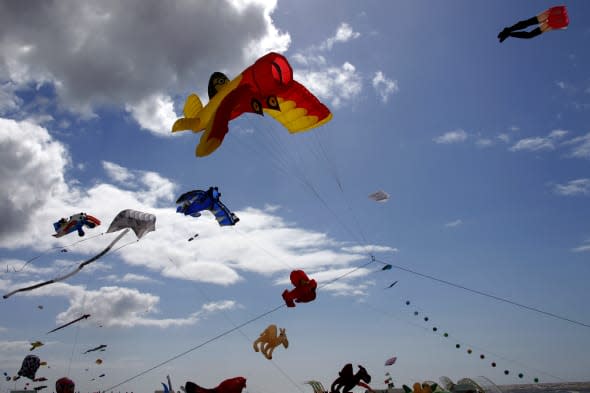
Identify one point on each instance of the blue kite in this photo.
(193, 202)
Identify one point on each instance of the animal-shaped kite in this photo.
(266, 86)
(75, 223)
(391, 361)
(36, 344)
(29, 367)
(554, 18)
(193, 202)
(85, 316)
(269, 340)
(232, 385)
(304, 289)
(424, 387)
(140, 222)
(64, 385)
(347, 380)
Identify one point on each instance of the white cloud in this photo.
(384, 86)
(484, 142)
(582, 248)
(574, 187)
(581, 146)
(344, 33)
(454, 224)
(154, 113)
(117, 172)
(504, 138)
(113, 57)
(539, 143)
(455, 136)
(14, 346)
(337, 84)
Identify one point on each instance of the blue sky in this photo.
(483, 147)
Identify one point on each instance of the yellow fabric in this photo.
(295, 119)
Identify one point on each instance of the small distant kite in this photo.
(304, 290)
(36, 344)
(75, 223)
(270, 339)
(193, 237)
(39, 388)
(554, 18)
(40, 379)
(40, 307)
(390, 361)
(99, 348)
(347, 380)
(101, 375)
(98, 361)
(379, 196)
(391, 285)
(85, 316)
(387, 267)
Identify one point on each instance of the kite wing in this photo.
(299, 110)
(140, 222)
(223, 215)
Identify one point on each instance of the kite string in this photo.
(498, 298)
(225, 333)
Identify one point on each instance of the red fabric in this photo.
(304, 291)
(232, 385)
(558, 18)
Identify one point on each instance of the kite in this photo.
(29, 367)
(40, 307)
(391, 285)
(390, 361)
(41, 379)
(304, 291)
(422, 388)
(193, 237)
(64, 385)
(100, 347)
(85, 316)
(316, 386)
(232, 385)
(39, 387)
(36, 344)
(140, 222)
(379, 196)
(101, 375)
(554, 18)
(193, 202)
(75, 223)
(98, 361)
(269, 340)
(386, 267)
(347, 380)
(70, 274)
(266, 86)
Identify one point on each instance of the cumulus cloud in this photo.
(539, 143)
(344, 33)
(384, 86)
(455, 136)
(574, 187)
(338, 84)
(581, 146)
(154, 113)
(111, 56)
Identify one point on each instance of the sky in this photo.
(483, 147)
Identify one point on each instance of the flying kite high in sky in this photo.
(554, 18)
(270, 339)
(379, 196)
(193, 202)
(74, 223)
(36, 344)
(102, 346)
(140, 222)
(390, 361)
(231, 385)
(304, 290)
(266, 86)
(85, 316)
(29, 367)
